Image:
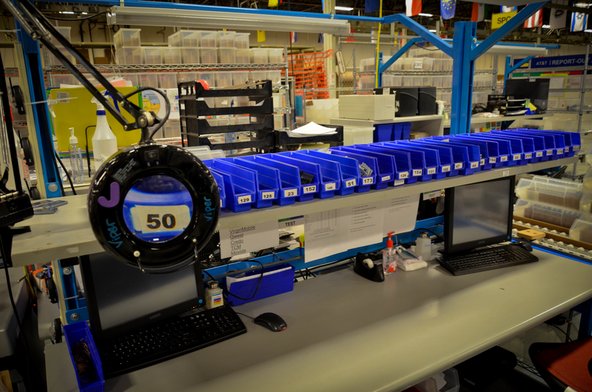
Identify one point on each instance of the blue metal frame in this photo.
(383, 67)
(462, 77)
(509, 68)
(40, 112)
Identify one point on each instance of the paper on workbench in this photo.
(400, 214)
(239, 241)
(363, 224)
(324, 235)
(312, 129)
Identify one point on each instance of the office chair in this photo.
(564, 365)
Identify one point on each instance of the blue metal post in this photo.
(383, 67)
(40, 112)
(511, 68)
(421, 31)
(462, 77)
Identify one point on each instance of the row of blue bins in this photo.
(284, 178)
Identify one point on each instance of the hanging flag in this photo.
(447, 8)
(371, 6)
(498, 20)
(260, 36)
(579, 21)
(412, 7)
(558, 17)
(272, 3)
(535, 20)
(478, 12)
(505, 8)
(293, 37)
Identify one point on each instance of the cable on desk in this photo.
(227, 293)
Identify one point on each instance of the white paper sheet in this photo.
(242, 240)
(400, 214)
(312, 129)
(363, 224)
(323, 235)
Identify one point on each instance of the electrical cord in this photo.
(76, 19)
(67, 174)
(226, 292)
(167, 109)
(87, 150)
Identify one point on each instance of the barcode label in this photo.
(290, 192)
(399, 182)
(350, 183)
(403, 175)
(368, 180)
(538, 154)
(504, 158)
(445, 168)
(244, 199)
(492, 160)
(417, 172)
(331, 186)
(458, 165)
(385, 178)
(431, 170)
(474, 165)
(516, 157)
(309, 189)
(268, 195)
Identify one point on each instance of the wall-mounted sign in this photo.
(498, 20)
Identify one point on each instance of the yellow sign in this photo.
(498, 20)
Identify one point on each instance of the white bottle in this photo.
(76, 164)
(104, 141)
(423, 247)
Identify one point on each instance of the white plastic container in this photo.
(129, 55)
(171, 55)
(104, 141)
(208, 39)
(546, 213)
(186, 76)
(226, 39)
(208, 55)
(127, 37)
(190, 55)
(241, 40)
(357, 135)
(275, 55)
(257, 76)
(152, 55)
(259, 56)
(243, 56)
(581, 230)
(227, 55)
(167, 80)
(551, 191)
(223, 79)
(148, 80)
(185, 38)
(274, 76)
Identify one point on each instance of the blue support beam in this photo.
(509, 68)
(463, 68)
(421, 31)
(40, 112)
(383, 67)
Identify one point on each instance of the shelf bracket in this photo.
(513, 67)
(383, 67)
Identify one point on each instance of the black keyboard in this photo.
(487, 259)
(170, 338)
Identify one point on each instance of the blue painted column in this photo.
(463, 67)
(40, 112)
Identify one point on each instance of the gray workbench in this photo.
(349, 334)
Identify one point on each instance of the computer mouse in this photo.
(526, 245)
(271, 321)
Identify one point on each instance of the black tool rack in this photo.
(194, 110)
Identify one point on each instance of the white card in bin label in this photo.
(445, 168)
(290, 192)
(527, 155)
(403, 175)
(244, 199)
(539, 154)
(368, 180)
(516, 157)
(482, 162)
(268, 195)
(504, 158)
(331, 186)
(492, 160)
(160, 219)
(431, 170)
(417, 172)
(350, 183)
(458, 165)
(309, 189)
(385, 178)
(549, 152)
(399, 182)
(474, 165)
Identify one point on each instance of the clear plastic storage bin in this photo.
(227, 55)
(186, 76)
(223, 79)
(226, 39)
(208, 55)
(48, 58)
(581, 230)
(243, 56)
(171, 55)
(148, 80)
(275, 55)
(552, 191)
(241, 40)
(259, 56)
(240, 78)
(257, 76)
(167, 80)
(185, 38)
(152, 55)
(274, 76)
(190, 55)
(208, 39)
(129, 55)
(127, 37)
(546, 213)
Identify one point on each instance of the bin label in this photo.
(431, 170)
(482, 161)
(445, 168)
(528, 155)
(492, 160)
(549, 152)
(474, 165)
(560, 151)
(458, 165)
(385, 178)
(244, 199)
(330, 186)
(350, 183)
(516, 157)
(368, 180)
(403, 175)
(309, 189)
(504, 158)
(417, 172)
(290, 192)
(268, 195)
(399, 182)
(538, 154)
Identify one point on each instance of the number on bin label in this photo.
(403, 175)
(504, 158)
(309, 189)
(368, 180)
(549, 152)
(566, 149)
(474, 165)
(330, 186)
(399, 182)
(385, 178)
(538, 154)
(458, 165)
(160, 219)
(492, 159)
(527, 155)
(516, 157)
(268, 195)
(290, 192)
(244, 199)
(431, 170)
(482, 162)
(417, 172)
(445, 168)
(350, 183)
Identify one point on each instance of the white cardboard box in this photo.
(367, 107)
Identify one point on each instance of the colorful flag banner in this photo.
(505, 8)
(293, 37)
(272, 3)
(535, 20)
(579, 21)
(558, 17)
(478, 13)
(412, 7)
(447, 8)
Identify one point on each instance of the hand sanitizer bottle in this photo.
(76, 163)
(389, 262)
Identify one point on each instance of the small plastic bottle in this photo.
(76, 163)
(214, 297)
(423, 247)
(389, 261)
(104, 141)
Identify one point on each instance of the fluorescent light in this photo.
(67, 12)
(84, 13)
(147, 16)
(588, 31)
(426, 15)
(343, 8)
(546, 26)
(433, 31)
(518, 50)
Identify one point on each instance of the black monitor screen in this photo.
(536, 90)
(478, 214)
(121, 297)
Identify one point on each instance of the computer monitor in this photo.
(121, 298)
(478, 215)
(536, 90)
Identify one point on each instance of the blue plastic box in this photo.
(311, 170)
(290, 185)
(489, 150)
(78, 334)
(350, 172)
(432, 159)
(383, 132)
(418, 161)
(220, 182)
(385, 165)
(367, 180)
(330, 172)
(402, 162)
(260, 284)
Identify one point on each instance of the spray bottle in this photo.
(389, 261)
(423, 247)
(76, 163)
(104, 141)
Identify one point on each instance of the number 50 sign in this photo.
(160, 219)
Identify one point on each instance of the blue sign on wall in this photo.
(576, 60)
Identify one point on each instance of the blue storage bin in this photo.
(385, 164)
(489, 150)
(383, 132)
(330, 171)
(576, 141)
(418, 160)
(80, 344)
(259, 284)
(397, 132)
(267, 177)
(432, 158)
(462, 162)
(447, 161)
(405, 130)
(402, 162)
(366, 181)
(350, 172)
(239, 185)
(311, 170)
(565, 137)
(264, 194)
(290, 185)
(220, 182)
(527, 145)
(539, 144)
(483, 157)
(514, 147)
(548, 141)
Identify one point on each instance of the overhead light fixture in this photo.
(343, 8)
(433, 31)
(426, 15)
(146, 16)
(518, 50)
(546, 26)
(588, 31)
(67, 12)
